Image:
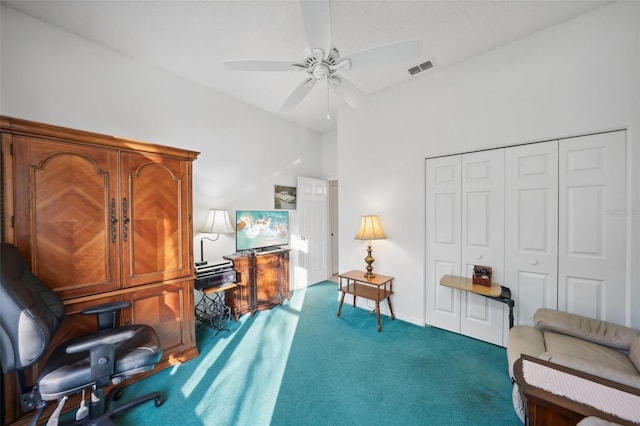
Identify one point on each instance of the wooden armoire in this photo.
(102, 218)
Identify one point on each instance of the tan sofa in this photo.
(597, 347)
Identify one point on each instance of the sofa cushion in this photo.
(634, 353)
(599, 370)
(593, 330)
(570, 346)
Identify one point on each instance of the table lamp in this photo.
(217, 223)
(370, 229)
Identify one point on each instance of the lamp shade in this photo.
(217, 223)
(370, 229)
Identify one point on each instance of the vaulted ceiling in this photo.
(193, 38)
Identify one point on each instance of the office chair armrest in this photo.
(106, 313)
(96, 341)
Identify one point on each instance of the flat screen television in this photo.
(260, 230)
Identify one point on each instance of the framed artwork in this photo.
(284, 197)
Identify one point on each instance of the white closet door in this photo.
(442, 241)
(531, 228)
(593, 232)
(483, 240)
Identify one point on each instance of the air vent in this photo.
(422, 67)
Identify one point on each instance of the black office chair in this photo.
(29, 316)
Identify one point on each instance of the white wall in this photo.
(580, 77)
(55, 77)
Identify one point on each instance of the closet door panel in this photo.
(531, 227)
(442, 241)
(593, 226)
(482, 240)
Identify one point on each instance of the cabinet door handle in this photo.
(114, 221)
(125, 219)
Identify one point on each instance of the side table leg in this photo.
(390, 308)
(340, 305)
(378, 315)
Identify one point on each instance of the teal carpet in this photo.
(299, 364)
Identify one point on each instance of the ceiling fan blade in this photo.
(249, 65)
(382, 55)
(316, 15)
(298, 94)
(347, 91)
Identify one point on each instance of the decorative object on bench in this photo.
(482, 275)
(597, 347)
(370, 229)
(30, 315)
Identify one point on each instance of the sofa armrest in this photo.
(523, 339)
(593, 330)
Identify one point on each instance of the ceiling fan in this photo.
(323, 61)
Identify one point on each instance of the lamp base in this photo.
(369, 260)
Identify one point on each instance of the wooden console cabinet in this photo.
(264, 281)
(100, 218)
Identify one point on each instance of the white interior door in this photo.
(442, 241)
(312, 265)
(531, 228)
(593, 226)
(482, 240)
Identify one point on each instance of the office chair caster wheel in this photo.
(159, 400)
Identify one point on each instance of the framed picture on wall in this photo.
(284, 197)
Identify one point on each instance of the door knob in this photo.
(533, 262)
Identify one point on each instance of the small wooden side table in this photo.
(495, 291)
(377, 289)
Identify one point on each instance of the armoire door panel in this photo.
(592, 243)
(443, 225)
(154, 209)
(70, 226)
(531, 227)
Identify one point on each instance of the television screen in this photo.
(258, 230)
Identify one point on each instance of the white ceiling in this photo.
(192, 38)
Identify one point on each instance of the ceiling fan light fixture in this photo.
(343, 65)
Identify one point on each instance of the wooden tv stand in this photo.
(263, 281)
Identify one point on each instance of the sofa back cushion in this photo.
(634, 353)
(590, 329)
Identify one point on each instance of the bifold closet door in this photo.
(593, 226)
(443, 192)
(464, 227)
(531, 227)
(482, 240)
